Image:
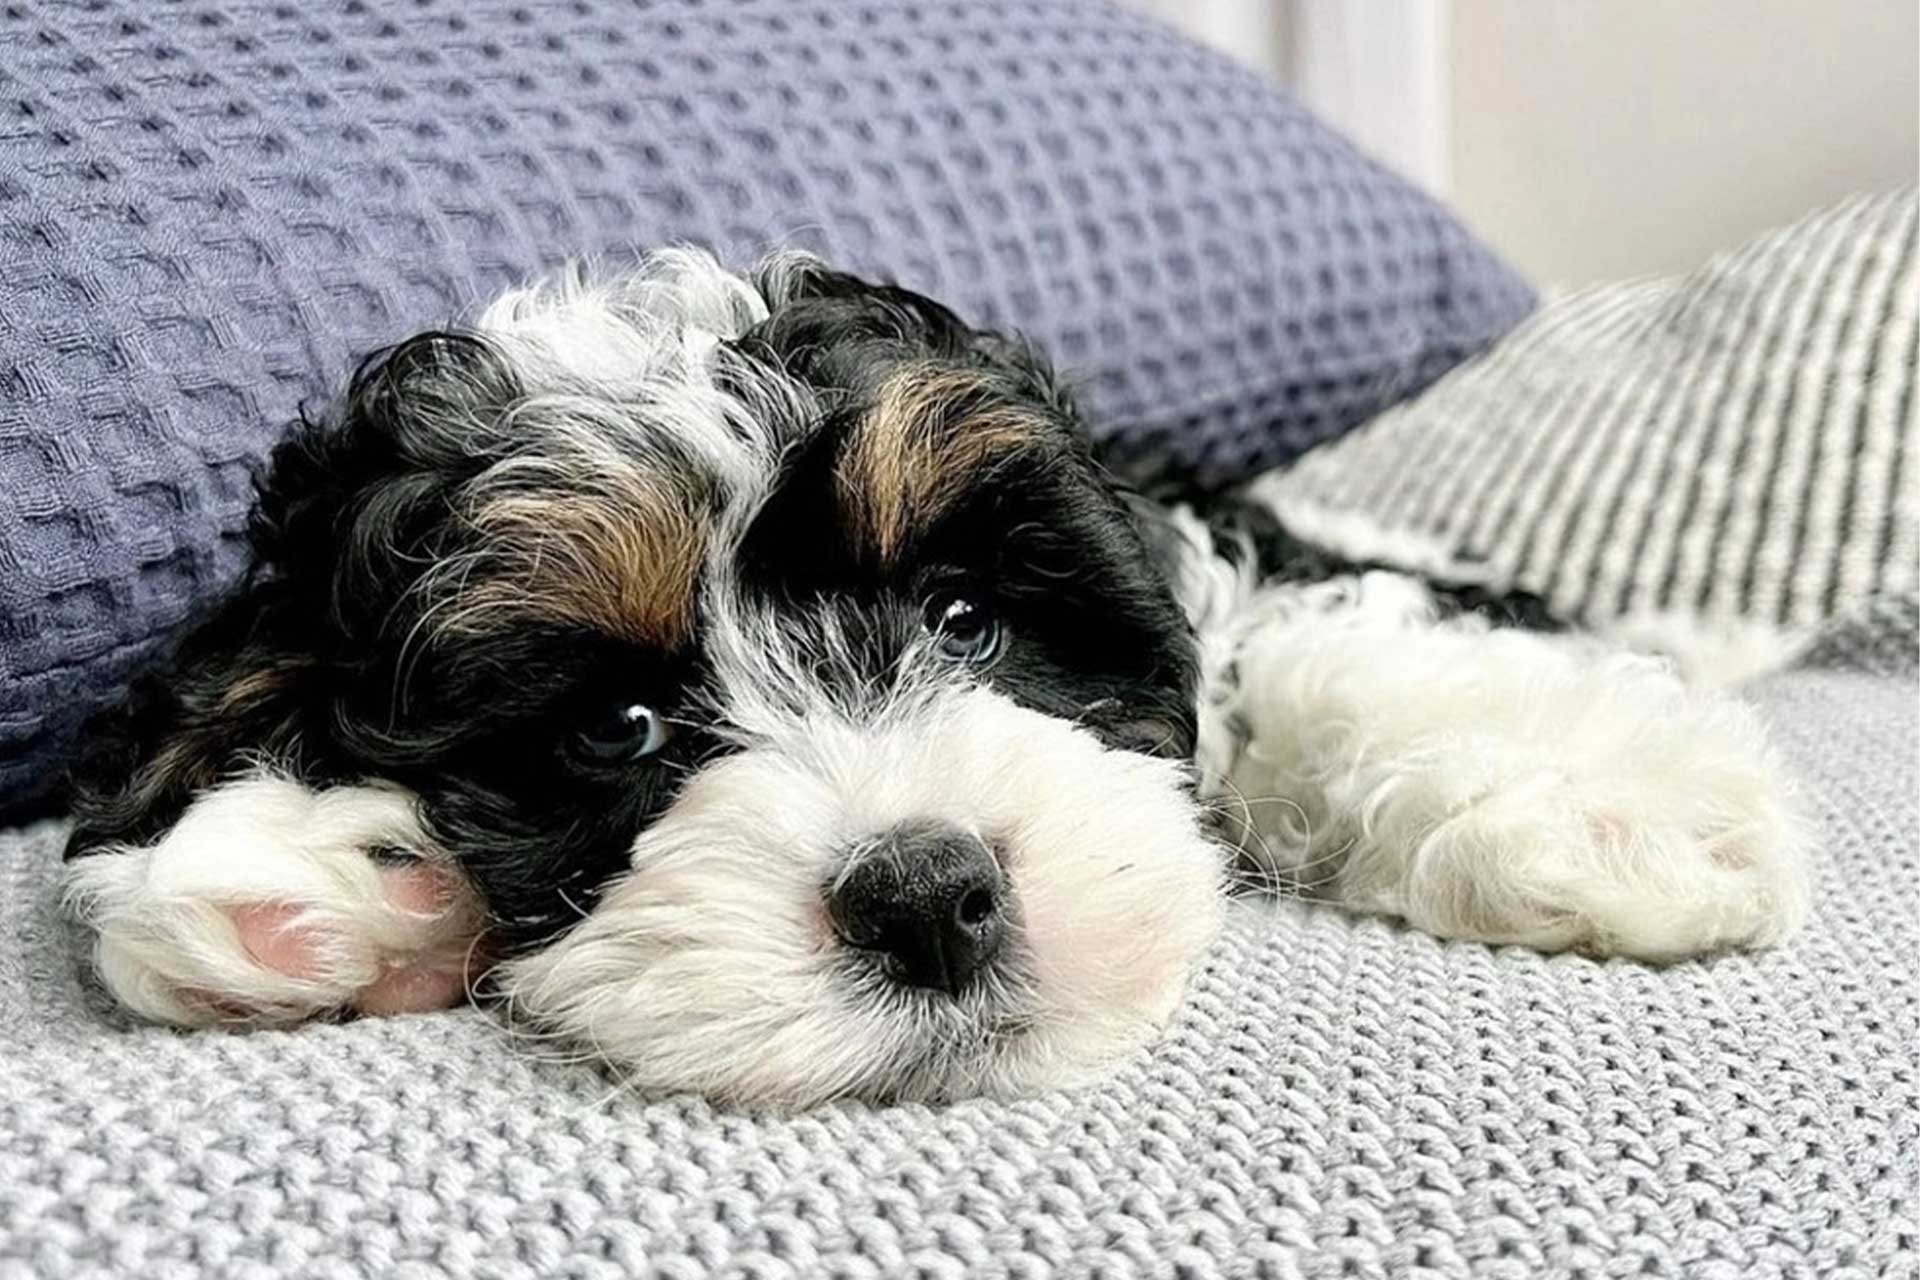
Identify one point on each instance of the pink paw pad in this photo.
(433, 976)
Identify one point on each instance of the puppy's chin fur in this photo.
(712, 966)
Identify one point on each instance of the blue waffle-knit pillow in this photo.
(208, 210)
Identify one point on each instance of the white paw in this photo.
(1512, 788)
(1616, 862)
(265, 903)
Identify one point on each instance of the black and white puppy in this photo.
(758, 680)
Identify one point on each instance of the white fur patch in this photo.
(624, 356)
(712, 967)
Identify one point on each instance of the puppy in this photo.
(757, 680)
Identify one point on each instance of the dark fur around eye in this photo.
(1093, 632)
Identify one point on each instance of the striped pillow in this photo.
(1736, 445)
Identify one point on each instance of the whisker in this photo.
(1266, 873)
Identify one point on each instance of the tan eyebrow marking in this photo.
(929, 431)
(617, 549)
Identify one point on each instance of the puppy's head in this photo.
(771, 654)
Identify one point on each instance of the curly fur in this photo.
(727, 509)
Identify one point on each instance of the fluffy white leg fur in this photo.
(1500, 785)
(1710, 653)
(263, 904)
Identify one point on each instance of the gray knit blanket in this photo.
(1338, 1097)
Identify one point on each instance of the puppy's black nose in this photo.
(930, 899)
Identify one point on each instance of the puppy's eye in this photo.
(964, 629)
(622, 733)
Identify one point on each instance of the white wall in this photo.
(1254, 31)
(1595, 139)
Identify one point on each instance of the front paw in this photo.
(1621, 814)
(265, 904)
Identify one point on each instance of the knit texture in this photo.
(1337, 1097)
(1739, 443)
(208, 210)
(1879, 637)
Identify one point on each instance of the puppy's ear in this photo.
(831, 328)
(232, 688)
(257, 679)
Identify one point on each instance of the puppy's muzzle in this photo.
(930, 903)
